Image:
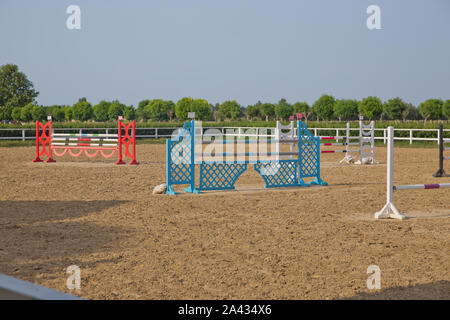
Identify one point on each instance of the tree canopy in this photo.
(370, 108)
(15, 90)
(323, 108)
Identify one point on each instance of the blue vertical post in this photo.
(300, 136)
(192, 162)
(168, 168)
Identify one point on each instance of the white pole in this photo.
(360, 139)
(277, 140)
(347, 135)
(372, 141)
(423, 186)
(347, 143)
(389, 210)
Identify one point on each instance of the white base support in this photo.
(348, 159)
(389, 211)
(368, 160)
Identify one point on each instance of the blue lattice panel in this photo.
(180, 168)
(309, 155)
(220, 176)
(281, 173)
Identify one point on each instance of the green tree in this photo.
(411, 113)
(252, 111)
(82, 110)
(129, 113)
(101, 111)
(157, 110)
(230, 109)
(201, 108)
(303, 108)
(68, 113)
(267, 110)
(38, 113)
(5, 112)
(370, 108)
(323, 108)
(395, 108)
(283, 110)
(446, 109)
(346, 109)
(25, 113)
(15, 90)
(58, 113)
(115, 110)
(140, 111)
(183, 107)
(431, 109)
(16, 113)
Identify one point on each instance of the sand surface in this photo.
(252, 243)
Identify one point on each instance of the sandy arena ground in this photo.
(254, 243)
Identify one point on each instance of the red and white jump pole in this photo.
(390, 210)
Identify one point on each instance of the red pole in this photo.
(49, 140)
(37, 143)
(119, 134)
(133, 141)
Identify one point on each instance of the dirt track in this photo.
(297, 243)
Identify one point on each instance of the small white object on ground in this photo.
(161, 189)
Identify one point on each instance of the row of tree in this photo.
(17, 102)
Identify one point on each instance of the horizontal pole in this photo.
(422, 186)
(85, 144)
(89, 148)
(248, 154)
(340, 144)
(218, 142)
(332, 138)
(84, 139)
(82, 135)
(17, 289)
(333, 151)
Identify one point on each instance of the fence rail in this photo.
(165, 132)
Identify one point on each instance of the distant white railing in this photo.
(166, 132)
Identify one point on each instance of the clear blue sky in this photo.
(247, 50)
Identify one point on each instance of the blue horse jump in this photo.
(181, 163)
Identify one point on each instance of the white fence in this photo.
(26, 133)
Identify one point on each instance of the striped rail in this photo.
(390, 210)
(91, 144)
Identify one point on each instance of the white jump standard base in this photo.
(389, 210)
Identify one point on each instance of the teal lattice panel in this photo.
(281, 173)
(220, 176)
(179, 165)
(309, 155)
